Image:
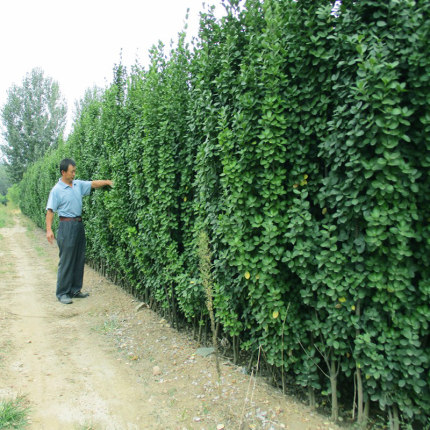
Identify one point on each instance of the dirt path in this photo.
(90, 365)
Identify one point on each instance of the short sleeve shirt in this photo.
(67, 200)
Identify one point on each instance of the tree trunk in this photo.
(393, 415)
(360, 403)
(235, 349)
(366, 411)
(214, 338)
(174, 312)
(200, 328)
(311, 397)
(333, 384)
(362, 415)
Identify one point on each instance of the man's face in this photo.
(70, 174)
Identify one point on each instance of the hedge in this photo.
(295, 135)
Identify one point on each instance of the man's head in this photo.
(64, 165)
(67, 170)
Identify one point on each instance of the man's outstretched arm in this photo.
(101, 183)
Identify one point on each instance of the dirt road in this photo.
(100, 363)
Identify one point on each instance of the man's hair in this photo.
(64, 164)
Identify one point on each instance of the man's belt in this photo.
(65, 218)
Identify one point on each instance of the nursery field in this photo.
(107, 362)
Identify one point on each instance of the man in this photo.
(66, 199)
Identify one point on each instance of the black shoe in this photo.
(65, 299)
(80, 295)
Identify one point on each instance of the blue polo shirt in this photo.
(67, 200)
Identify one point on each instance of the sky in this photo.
(78, 42)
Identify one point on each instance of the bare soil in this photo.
(100, 363)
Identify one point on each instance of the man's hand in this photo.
(50, 236)
(49, 233)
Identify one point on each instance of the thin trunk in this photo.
(361, 416)
(174, 313)
(200, 328)
(360, 396)
(214, 339)
(283, 381)
(170, 317)
(333, 384)
(366, 412)
(250, 362)
(282, 351)
(311, 397)
(194, 329)
(206, 332)
(393, 415)
(234, 350)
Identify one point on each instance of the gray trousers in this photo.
(71, 242)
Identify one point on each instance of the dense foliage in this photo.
(297, 139)
(34, 118)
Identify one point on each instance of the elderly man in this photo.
(66, 199)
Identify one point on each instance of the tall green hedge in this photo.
(296, 136)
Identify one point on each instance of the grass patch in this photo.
(6, 217)
(39, 251)
(29, 225)
(108, 326)
(5, 263)
(13, 413)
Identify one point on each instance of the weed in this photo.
(13, 413)
(39, 251)
(108, 326)
(172, 391)
(205, 266)
(184, 415)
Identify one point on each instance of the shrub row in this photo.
(296, 136)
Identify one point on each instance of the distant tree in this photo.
(34, 117)
(5, 181)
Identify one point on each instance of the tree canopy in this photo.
(34, 117)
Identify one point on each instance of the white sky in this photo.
(78, 42)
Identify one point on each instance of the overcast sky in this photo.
(78, 42)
